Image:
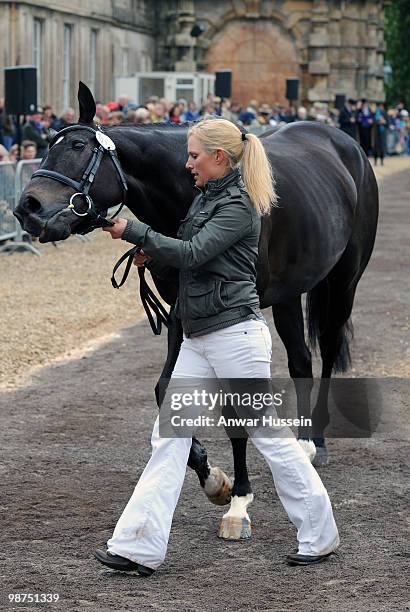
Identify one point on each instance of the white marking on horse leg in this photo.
(218, 487)
(309, 447)
(236, 524)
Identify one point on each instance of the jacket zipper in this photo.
(183, 287)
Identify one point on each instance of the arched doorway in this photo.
(261, 56)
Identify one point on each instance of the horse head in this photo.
(77, 182)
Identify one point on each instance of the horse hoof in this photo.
(309, 449)
(218, 487)
(236, 524)
(321, 459)
(234, 528)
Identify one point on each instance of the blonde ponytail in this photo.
(245, 151)
(257, 175)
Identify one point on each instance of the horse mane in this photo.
(153, 126)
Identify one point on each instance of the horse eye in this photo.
(78, 145)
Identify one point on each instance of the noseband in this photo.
(82, 188)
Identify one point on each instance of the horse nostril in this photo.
(32, 205)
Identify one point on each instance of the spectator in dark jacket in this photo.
(34, 131)
(7, 129)
(347, 119)
(364, 119)
(379, 145)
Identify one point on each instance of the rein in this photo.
(150, 302)
(82, 188)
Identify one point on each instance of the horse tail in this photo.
(321, 323)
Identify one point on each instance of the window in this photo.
(185, 89)
(66, 65)
(145, 62)
(125, 62)
(154, 86)
(93, 60)
(38, 52)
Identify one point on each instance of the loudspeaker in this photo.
(223, 83)
(340, 100)
(197, 30)
(292, 89)
(20, 90)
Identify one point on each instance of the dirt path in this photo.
(75, 440)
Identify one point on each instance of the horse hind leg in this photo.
(330, 327)
(288, 319)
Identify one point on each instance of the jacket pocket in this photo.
(198, 223)
(204, 299)
(181, 227)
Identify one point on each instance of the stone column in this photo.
(319, 67)
(183, 41)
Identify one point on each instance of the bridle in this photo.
(150, 302)
(82, 187)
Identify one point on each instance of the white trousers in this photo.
(240, 351)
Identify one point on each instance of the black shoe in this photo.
(297, 559)
(121, 564)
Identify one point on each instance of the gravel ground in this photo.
(57, 306)
(76, 437)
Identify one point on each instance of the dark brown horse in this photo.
(318, 241)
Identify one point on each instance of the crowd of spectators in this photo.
(381, 132)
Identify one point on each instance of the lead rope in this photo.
(150, 302)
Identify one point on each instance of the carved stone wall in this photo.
(334, 46)
(261, 56)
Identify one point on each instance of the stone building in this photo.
(72, 40)
(334, 46)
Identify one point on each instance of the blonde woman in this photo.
(225, 336)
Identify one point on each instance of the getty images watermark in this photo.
(337, 407)
(216, 401)
(220, 406)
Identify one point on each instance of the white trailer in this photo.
(170, 85)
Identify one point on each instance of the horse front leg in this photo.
(236, 524)
(216, 484)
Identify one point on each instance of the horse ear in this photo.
(87, 104)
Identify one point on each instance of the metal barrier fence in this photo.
(8, 227)
(13, 178)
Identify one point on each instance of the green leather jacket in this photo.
(215, 252)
